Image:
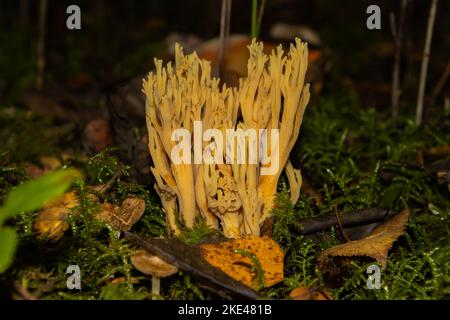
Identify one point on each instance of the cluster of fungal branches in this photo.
(234, 195)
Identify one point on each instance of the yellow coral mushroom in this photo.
(238, 194)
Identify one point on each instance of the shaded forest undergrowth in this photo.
(351, 158)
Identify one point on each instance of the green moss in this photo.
(354, 158)
(103, 166)
(200, 232)
(348, 149)
(184, 289)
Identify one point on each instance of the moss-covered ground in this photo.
(345, 150)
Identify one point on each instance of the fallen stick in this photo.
(349, 219)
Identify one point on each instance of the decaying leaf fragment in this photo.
(224, 257)
(309, 293)
(51, 220)
(122, 217)
(376, 245)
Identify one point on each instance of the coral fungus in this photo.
(210, 182)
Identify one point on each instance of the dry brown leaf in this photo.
(237, 266)
(376, 245)
(132, 210)
(134, 280)
(309, 293)
(122, 217)
(51, 220)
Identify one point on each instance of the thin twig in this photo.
(397, 31)
(344, 234)
(111, 181)
(225, 15)
(442, 80)
(260, 16)
(43, 4)
(425, 61)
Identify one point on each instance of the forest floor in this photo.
(351, 157)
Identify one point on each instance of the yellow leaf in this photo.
(51, 220)
(51, 223)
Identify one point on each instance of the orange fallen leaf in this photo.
(51, 220)
(439, 150)
(376, 245)
(239, 267)
(51, 223)
(134, 280)
(309, 293)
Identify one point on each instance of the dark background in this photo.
(120, 38)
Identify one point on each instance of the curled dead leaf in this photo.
(309, 293)
(51, 224)
(51, 220)
(224, 257)
(132, 210)
(376, 245)
(122, 217)
(123, 279)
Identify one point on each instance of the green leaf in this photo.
(34, 194)
(8, 244)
